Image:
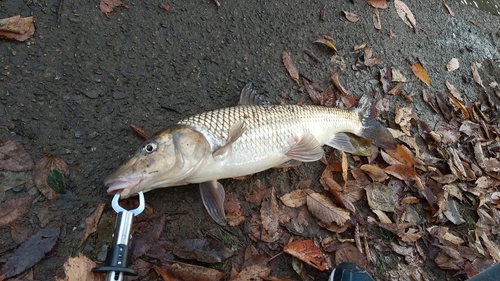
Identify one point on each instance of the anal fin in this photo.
(213, 195)
(307, 149)
(350, 143)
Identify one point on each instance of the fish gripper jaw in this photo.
(117, 258)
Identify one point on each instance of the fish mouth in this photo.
(124, 186)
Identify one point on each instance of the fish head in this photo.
(166, 159)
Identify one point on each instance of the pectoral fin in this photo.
(213, 195)
(236, 130)
(307, 149)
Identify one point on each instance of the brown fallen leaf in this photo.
(402, 154)
(91, 222)
(269, 213)
(386, 78)
(376, 173)
(140, 132)
(206, 250)
(441, 101)
(372, 61)
(13, 209)
(381, 197)
(475, 75)
(322, 13)
(107, 6)
(453, 90)
(327, 43)
(31, 251)
(165, 6)
(426, 95)
(324, 210)
(376, 19)
(453, 64)
(290, 67)
(476, 23)
(147, 231)
(359, 46)
(232, 207)
(165, 273)
(448, 9)
(189, 272)
(294, 199)
(256, 193)
(380, 4)
(347, 98)
(405, 14)
(308, 252)
(401, 171)
(350, 253)
(420, 72)
(351, 16)
(403, 118)
(42, 170)
(13, 157)
(79, 268)
(314, 91)
(17, 28)
(253, 272)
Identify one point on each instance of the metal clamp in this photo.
(117, 257)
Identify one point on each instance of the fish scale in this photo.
(280, 122)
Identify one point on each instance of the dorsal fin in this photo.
(249, 96)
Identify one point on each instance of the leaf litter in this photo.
(436, 172)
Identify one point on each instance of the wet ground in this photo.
(74, 88)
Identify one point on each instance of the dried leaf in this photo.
(327, 43)
(253, 272)
(17, 28)
(91, 222)
(14, 209)
(402, 154)
(107, 6)
(347, 98)
(386, 78)
(376, 19)
(308, 252)
(426, 94)
(290, 67)
(13, 157)
(148, 229)
(405, 14)
(475, 75)
(294, 199)
(314, 91)
(270, 218)
(376, 174)
(476, 23)
(420, 72)
(381, 4)
(323, 209)
(31, 251)
(79, 268)
(204, 250)
(256, 193)
(165, 6)
(454, 91)
(234, 215)
(403, 118)
(453, 64)
(351, 16)
(401, 171)
(460, 106)
(493, 248)
(372, 61)
(359, 46)
(42, 170)
(397, 76)
(322, 13)
(442, 106)
(350, 253)
(189, 272)
(448, 9)
(381, 197)
(140, 132)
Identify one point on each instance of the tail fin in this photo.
(372, 129)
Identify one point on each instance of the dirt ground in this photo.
(73, 89)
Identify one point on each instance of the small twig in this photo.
(59, 11)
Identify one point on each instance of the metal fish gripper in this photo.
(117, 258)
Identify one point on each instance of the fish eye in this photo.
(150, 147)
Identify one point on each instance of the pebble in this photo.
(92, 94)
(119, 95)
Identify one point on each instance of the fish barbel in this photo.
(241, 140)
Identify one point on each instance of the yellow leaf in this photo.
(421, 73)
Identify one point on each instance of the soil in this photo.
(74, 88)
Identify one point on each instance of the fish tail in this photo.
(371, 128)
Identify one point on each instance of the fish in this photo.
(242, 140)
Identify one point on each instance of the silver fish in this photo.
(241, 140)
